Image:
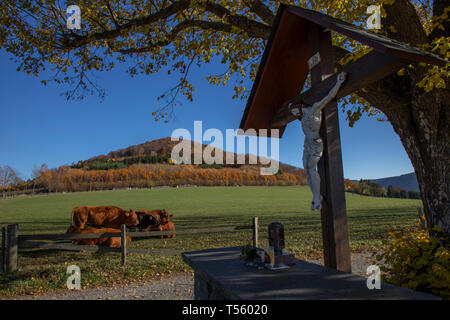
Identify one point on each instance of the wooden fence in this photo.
(11, 242)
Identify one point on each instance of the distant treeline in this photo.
(369, 188)
(67, 179)
(158, 170)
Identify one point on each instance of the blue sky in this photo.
(37, 125)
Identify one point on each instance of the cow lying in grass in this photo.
(103, 216)
(155, 220)
(112, 242)
(152, 218)
(169, 226)
(147, 219)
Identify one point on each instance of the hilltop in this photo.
(159, 151)
(162, 147)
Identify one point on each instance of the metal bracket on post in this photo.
(314, 61)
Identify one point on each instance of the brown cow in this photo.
(112, 242)
(165, 216)
(169, 226)
(148, 219)
(162, 218)
(103, 216)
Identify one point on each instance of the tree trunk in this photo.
(423, 128)
(422, 121)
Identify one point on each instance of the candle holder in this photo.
(276, 237)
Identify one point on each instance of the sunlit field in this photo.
(369, 220)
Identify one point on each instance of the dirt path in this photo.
(177, 287)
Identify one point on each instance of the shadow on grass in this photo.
(6, 279)
(38, 253)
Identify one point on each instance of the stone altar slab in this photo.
(220, 274)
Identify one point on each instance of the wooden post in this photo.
(12, 244)
(3, 262)
(334, 217)
(255, 232)
(123, 238)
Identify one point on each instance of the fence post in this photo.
(12, 244)
(255, 232)
(123, 239)
(3, 262)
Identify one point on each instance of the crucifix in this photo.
(311, 120)
(301, 43)
(331, 192)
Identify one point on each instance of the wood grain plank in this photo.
(370, 68)
(333, 214)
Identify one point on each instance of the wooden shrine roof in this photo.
(283, 68)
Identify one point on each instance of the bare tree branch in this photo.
(253, 28)
(78, 41)
(250, 26)
(204, 25)
(112, 15)
(173, 93)
(261, 10)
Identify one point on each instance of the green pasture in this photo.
(369, 220)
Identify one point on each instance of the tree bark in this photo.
(420, 119)
(423, 128)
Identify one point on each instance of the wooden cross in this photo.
(302, 37)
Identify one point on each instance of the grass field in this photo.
(369, 219)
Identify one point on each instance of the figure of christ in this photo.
(311, 119)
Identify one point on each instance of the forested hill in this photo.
(150, 165)
(403, 186)
(404, 181)
(159, 151)
(161, 147)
